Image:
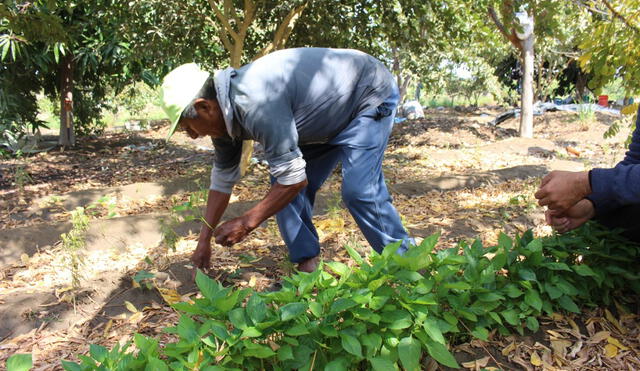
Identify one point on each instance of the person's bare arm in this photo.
(216, 205)
(235, 230)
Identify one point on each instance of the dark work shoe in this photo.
(309, 265)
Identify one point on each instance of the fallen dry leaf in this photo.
(599, 337)
(477, 364)
(610, 350)
(535, 359)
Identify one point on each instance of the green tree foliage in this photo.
(94, 46)
(612, 48)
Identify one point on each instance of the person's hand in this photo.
(232, 232)
(560, 190)
(201, 257)
(571, 219)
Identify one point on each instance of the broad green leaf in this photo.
(285, 353)
(155, 364)
(499, 261)
(454, 260)
(256, 308)
(238, 318)
(338, 364)
(339, 268)
(552, 291)
(409, 352)
(308, 281)
(433, 330)
(147, 346)
(382, 364)
(428, 244)
(490, 297)
(558, 266)
(584, 270)
(227, 302)
(532, 324)
(315, 308)
(377, 302)
(297, 330)
(68, 366)
(372, 342)
(568, 304)
(259, 351)
(251, 332)
(187, 329)
(351, 345)
(527, 275)
(440, 353)
(292, 310)
(207, 286)
(390, 249)
(98, 352)
(532, 298)
(328, 331)
(511, 316)
(397, 319)
(20, 362)
(457, 285)
(354, 254)
(408, 276)
(342, 304)
(481, 333)
(505, 242)
(495, 317)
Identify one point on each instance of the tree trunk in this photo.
(526, 113)
(67, 135)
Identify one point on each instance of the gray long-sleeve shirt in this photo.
(290, 98)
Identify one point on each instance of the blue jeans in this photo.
(360, 148)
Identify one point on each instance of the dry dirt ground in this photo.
(451, 172)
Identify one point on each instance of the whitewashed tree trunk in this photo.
(526, 106)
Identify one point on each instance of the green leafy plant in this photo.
(19, 362)
(586, 114)
(144, 279)
(107, 203)
(73, 244)
(391, 310)
(185, 212)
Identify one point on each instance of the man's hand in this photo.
(560, 190)
(571, 219)
(232, 232)
(201, 257)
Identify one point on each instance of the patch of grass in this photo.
(73, 244)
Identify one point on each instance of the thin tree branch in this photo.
(230, 11)
(224, 20)
(289, 24)
(249, 15)
(509, 36)
(616, 14)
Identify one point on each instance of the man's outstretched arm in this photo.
(216, 205)
(235, 230)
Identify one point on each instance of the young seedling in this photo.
(73, 244)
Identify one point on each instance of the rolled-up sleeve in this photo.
(226, 166)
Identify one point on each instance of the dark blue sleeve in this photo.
(618, 186)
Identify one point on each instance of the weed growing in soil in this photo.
(73, 244)
(586, 115)
(387, 311)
